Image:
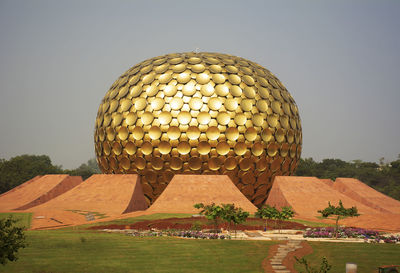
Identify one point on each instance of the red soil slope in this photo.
(37, 191)
(106, 194)
(366, 195)
(186, 190)
(307, 195)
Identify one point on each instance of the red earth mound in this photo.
(38, 190)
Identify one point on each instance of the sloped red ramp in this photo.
(366, 195)
(37, 191)
(186, 190)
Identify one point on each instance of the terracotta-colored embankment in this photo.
(111, 195)
(366, 195)
(186, 190)
(37, 191)
(307, 195)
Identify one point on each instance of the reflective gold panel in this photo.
(204, 113)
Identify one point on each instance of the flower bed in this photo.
(367, 235)
(183, 234)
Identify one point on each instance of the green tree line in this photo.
(384, 177)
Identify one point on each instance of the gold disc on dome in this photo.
(207, 90)
(116, 147)
(249, 92)
(198, 68)
(170, 90)
(173, 132)
(140, 104)
(176, 103)
(123, 133)
(183, 77)
(248, 80)
(250, 134)
(193, 133)
(230, 163)
(212, 133)
(245, 164)
(222, 90)
(140, 163)
(231, 104)
(272, 149)
(184, 117)
(189, 89)
(203, 118)
(284, 149)
(234, 79)
(157, 163)
(240, 119)
(110, 133)
(246, 104)
(280, 135)
(258, 120)
(125, 105)
(164, 147)
(215, 104)
(223, 118)
(147, 148)
(165, 118)
(204, 147)
(267, 134)
(125, 163)
(183, 148)
(214, 163)
(215, 68)
(240, 148)
(262, 105)
(130, 148)
(195, 103)
(257, 149)
(147, 118)
(218, 78)
(165, 78)
(272, 120)
(232, 133)
(176, 163)
(195, 163)
(222, 148)
(235, 90)
(155, 132)
(157, 104)
(130, 118)
(203, 78)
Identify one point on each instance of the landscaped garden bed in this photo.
(370, 236)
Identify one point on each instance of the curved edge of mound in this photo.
(138, 201)
(65, 185)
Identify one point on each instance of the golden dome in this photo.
(199, 113)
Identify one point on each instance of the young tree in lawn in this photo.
(212, 212)
(12, 238)
(338, 212)
(267, 212)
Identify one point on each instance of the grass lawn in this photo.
(24, 218)
(84, 251)
(367, 256)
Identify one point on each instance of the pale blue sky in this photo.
(340, 60)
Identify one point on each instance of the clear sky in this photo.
(340, 60)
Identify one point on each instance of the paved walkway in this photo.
(280, 255)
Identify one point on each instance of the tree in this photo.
(211, 212)
(12, 238)
(285, 214)
(267, 212)
(232, 214)
(338, 212)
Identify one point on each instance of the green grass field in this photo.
(367, 256)
(24, 218)
(79, 251)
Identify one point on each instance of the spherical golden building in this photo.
(199, 113)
